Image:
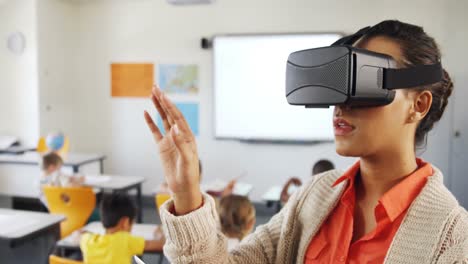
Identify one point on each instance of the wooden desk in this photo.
(26, 236)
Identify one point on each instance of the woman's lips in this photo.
(342, 127)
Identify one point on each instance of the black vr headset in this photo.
(344, 75)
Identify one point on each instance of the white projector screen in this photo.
(250, 98)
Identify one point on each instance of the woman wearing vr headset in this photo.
(389, 207)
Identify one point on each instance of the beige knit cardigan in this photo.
(434, 230)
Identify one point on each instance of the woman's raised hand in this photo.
(178, 152)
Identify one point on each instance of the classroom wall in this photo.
(456, 60)
(153, 31)
(56, 36)
(18, 73)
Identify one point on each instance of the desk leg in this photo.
(140, 204)
(101, 166)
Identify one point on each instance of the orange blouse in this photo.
(332, 243)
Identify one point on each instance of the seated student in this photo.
(117, 245)
(237, 218)
(52, 174)
(294, 183)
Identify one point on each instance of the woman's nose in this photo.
(338, 111)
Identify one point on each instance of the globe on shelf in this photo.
(55, 141)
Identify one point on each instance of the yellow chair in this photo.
(41, 145)
(58, 260)
(76, 203)
(160, 198)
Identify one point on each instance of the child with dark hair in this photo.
(117, 245)
(322, 166)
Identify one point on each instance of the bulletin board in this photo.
(131, 79)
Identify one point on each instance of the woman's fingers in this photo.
(174, 122)
(180, 132)
(179, 119)
(162, 113)
(154, 129)
(158, 94)
(181, 143)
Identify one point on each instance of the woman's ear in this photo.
(422, 102)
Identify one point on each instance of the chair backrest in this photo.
(41, 145)
(76, 203)
(160, 198)
(58, 260)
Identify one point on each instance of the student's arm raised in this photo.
(191, 230)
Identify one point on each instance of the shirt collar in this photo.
(396, 200)
(349, 174)
(399, 197)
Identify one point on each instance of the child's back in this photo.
(117, 246)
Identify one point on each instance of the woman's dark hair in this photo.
(417, 48)
(114, 207)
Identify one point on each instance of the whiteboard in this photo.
(249, 83)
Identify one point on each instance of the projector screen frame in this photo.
(262, 140)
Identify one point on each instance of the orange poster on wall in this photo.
(131, 79)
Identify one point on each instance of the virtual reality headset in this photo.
(345, 75)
